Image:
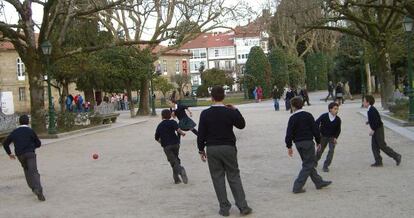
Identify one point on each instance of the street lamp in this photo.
(408, 27)
(47, 50)
(361, 55)
(152, 97)
(245, 82)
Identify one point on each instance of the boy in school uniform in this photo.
(169, 140)
(216, 133)
(25, 143)
(329, 125)
(377, 133)
(302, 130)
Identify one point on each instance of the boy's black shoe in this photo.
(184, 175)
(325, 169)
(302, 190)
(245, 211)
(40, 195)
(323, 184)
(398, 159)
(376, 165)
(224, 212)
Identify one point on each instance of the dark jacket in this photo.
(374, 118)
(301, 127)
(327, 127)
(24, 139)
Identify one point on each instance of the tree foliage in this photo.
(163, 85)
(181, 80)
(279, 66)
(216, 77)
(258, 72)
(317, 69)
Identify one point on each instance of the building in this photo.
(211, 50)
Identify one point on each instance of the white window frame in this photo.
(22, 93)
(177, 66)
(20, 69)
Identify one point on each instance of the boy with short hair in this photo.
(302, 130)
(25, 143)
(216, 133)
(169, 140)
(377, 132)
(329, 125)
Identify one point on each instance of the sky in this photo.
(10, 15)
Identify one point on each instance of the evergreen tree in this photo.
(258, 72)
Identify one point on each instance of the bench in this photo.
(108, 118)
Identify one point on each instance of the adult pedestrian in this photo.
(255, 94)
(259, 93)
(304, 94)
(276, 95)
(347, 91)
(68, 102)
(330, 91)
(339, 94)
(289, 95)
(216, 134)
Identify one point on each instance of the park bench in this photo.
(105, 112)
(108, 118)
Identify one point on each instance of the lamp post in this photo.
(47, 50)
(244, 83)
(361, 55)
(408, 27)
(152, 97)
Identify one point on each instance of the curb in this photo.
(387, 116)
(74, 132)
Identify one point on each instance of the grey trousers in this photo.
(172, 151)
(378, 144)
(28, 162)
(306, 151)
(222, 161)
(324, 142)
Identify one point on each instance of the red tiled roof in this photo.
(6, 46)
(173, 52)
(210, 40)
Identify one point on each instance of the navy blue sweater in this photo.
(301, 127)
(327, 127)
(216, 126)
(166, 133)
(374, 118)
(24, 139)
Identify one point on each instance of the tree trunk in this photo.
(37, 103)
(90, 96)
(65, 91)
(368, 73)
(131, 104)
(144, 99)
(386, 79)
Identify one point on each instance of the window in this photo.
(228, 65)
(239, 56)
(164, 66)
(216, 53)
(217, 64)
(199, 53)
(20, 69)
(177, 66)
(22, 94)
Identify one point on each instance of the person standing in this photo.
(68, 102)
(339, 94)
(80, 103)
(216, 134)
(289, 95)
(166, 135)
(304, 94)
(347, 91)
(377, 133)
(259, 93)
(25, 143)
(302, 130)
(330, 91)
(329, 125)
(255, 94)
(276, 95)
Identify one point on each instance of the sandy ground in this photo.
(132, 177)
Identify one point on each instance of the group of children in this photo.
(216, 140)
(303, 130)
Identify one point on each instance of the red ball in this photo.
(95, 156)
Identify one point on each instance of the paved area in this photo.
(132, 177)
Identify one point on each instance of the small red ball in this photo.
(95, 156)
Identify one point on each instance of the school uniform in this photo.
(216, 134)
(302, 130)
(170, 142)
(289, 95)
(25, 143)
(377, 140)
(185, 123)
(330, 128)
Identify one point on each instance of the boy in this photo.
(216, 133)
(377, 132)
(302, 129)
(329, 125)
(185, 123)
(25, 143)
(166, 136)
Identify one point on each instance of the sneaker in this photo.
(246, 211)
(184, 175)
(398, 160)
(39, 195)
(302, 190)
(323, 184)
(325, 169)
(376, 165)
(224, 212)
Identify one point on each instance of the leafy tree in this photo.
(216, 77)
(296, 68)
(316, 71)
(163, 85)
(184, 29)
(182, 80)
(279, 67)
(258, 72)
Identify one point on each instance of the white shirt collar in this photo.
(369, 107)
(331, 116)
(217, 105)
(24, 126)
(298, 111)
